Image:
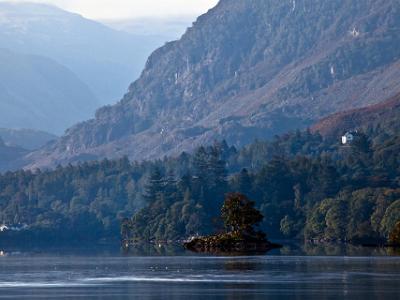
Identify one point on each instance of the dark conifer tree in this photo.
(244, 182)
(155, 185)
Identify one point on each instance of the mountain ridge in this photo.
(245, 70)
(28, 139)
(37, 92)
(10, 156)
(105, 59)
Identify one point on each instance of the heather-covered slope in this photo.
(246, 69)
(385, 115)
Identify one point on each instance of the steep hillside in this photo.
(246, 69)
(106, 60)
(26, 138)
(385, 115)
(38, 93)
(10, 156)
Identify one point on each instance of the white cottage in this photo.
(348, 137)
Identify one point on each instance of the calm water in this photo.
(164, 274)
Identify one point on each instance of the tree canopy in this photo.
(304, 186)
(394, 237)
(239, 214)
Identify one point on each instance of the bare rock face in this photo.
(247, 69)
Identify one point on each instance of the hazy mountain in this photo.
(38, 93)
(106, 60)
(25, 138)
(9, 156)
(167, 28)
(246, 69)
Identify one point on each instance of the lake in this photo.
(164, 273)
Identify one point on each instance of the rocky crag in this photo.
(246, 69)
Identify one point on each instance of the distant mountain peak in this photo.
(28, 139)
(38, 93)
(16, 9)
(39, 40)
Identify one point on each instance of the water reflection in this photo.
(154, 249)
(290, 248)
(283, 274)
(241, 266)
(345, 250)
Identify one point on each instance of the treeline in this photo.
(350, 193)
(305, 186)
(89, 201)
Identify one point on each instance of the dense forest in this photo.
(304, 185)
(348, 193)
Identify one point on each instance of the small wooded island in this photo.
(240, 219)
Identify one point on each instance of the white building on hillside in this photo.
(348, 137)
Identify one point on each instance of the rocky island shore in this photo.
(228, 244)
(240, 218)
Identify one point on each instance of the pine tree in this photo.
(244, 182)
(216, 170)
(200, 164)
(155, 185)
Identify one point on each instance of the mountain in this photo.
(26, 138)
(38, 93)
(246, 69)
(10, 156)
(105, 59)
(167, 28)
(385, 114)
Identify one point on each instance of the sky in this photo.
(130, 9)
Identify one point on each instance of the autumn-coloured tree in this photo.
(394, 237)
(239, 214)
